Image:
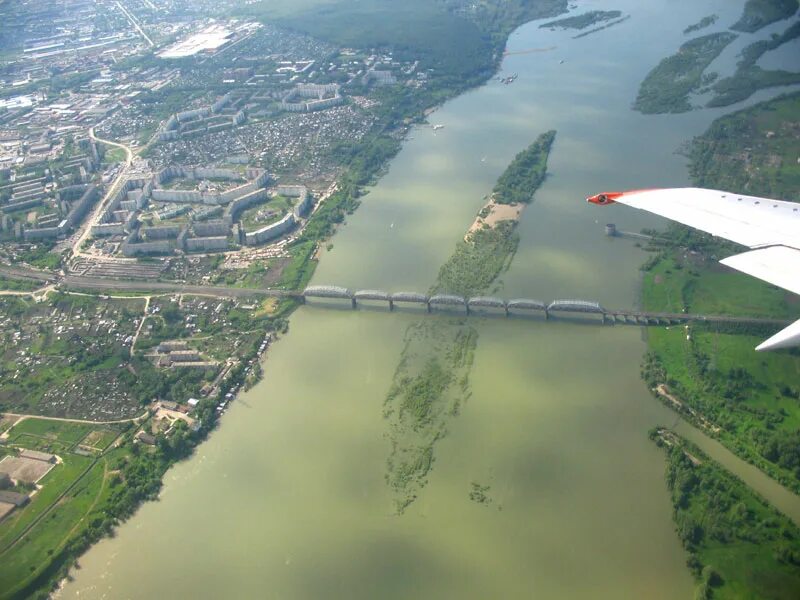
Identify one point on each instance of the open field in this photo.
(66, 495)
(25, 562)
(750, 396)
(749, 399)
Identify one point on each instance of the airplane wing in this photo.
(770, 228)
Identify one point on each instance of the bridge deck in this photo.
(102, 284)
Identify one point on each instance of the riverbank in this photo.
(746, 400)
(713, 377)
(739, 546)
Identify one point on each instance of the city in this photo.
(209, 209)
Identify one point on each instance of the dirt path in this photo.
(141, 324)
(22, 417)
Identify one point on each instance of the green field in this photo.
(74, 502)
(255, 217)
(750, 396)
(114, 155)
(739, 546)
(50, 432)
(53, 485)
(25, 562)
(750, 399)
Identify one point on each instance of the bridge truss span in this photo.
(327, 291)
(409, 297)
(372, 295)
(486, 302)
(578, 306)
(527, 304)
(447, 300)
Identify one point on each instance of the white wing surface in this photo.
(770, 228)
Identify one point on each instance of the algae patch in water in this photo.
(429, 387)
(480, 493)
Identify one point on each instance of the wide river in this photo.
(288, 498)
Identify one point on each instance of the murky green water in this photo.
(288, 498)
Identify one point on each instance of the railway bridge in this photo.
(485, 304)
(473, 305)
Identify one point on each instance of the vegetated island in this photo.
(760, 13)
(749, 77)
(601, 27)
(583, 21)
(666, 88)
(431, 382)
(739, 546)
(701, 24)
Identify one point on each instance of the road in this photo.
(99, 283)
(22, 417)
(84, 233)
(141, 323)
(135, 23)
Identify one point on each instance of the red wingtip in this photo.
(604, 198)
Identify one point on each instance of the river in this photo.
(288, 498)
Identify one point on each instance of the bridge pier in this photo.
(428, 304)
(391, 305)
(354, 303)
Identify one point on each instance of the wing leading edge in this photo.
(770, 228)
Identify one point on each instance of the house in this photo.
(146, 438)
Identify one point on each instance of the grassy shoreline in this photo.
(739, 546)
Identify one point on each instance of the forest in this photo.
(526, 172)
(739, 546)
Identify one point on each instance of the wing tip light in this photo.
(604, 198)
